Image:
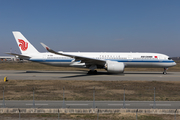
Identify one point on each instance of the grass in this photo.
(116, 116)
(33, 66)
(78, 90)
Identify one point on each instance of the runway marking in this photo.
(2, 104)
(119, 104)
(160, 104)
(37, 104)
(76, 104)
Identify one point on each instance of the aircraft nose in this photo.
(174, 63)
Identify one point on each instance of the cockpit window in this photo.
(169, 58)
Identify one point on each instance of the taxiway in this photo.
(89, 104)
(82, 75)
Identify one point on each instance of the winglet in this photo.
(45, 46)
(48, 48)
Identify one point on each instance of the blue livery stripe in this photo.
(70, 60)
(46, 60)
(147, 61)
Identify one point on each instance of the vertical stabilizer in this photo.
(24, 45)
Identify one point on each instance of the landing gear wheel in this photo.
(89, 72)
(95, 72)
(92, 72)
(165, 71)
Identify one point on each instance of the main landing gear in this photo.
(165, 71)
(92, 70)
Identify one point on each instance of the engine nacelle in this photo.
(114, 67)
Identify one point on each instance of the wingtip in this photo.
(15, 32)
(45, 46)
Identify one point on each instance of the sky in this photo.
(92, 25)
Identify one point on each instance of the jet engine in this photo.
(114, 67)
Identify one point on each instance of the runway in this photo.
(82, 75)
(97, 104)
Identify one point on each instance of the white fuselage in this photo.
(129, 59)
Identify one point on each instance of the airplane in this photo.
(113, 62)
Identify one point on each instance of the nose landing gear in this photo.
(165, 71)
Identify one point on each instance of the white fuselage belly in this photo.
(129, 59)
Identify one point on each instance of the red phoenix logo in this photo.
(23, 45)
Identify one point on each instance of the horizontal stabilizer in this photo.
(20, 56)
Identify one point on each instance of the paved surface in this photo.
(82, 75)
(89, 104)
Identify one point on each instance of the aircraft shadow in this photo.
(77, 73)
(57, 72)
(147, 73)
(105, 73)
(97, 74)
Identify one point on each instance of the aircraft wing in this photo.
(83, 59)
(20, 56)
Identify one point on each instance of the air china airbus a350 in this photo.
(113, 62)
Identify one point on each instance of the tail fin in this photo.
(24, 45)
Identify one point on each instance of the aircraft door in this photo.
(130, 57)
(160, 58)
(44, 57)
